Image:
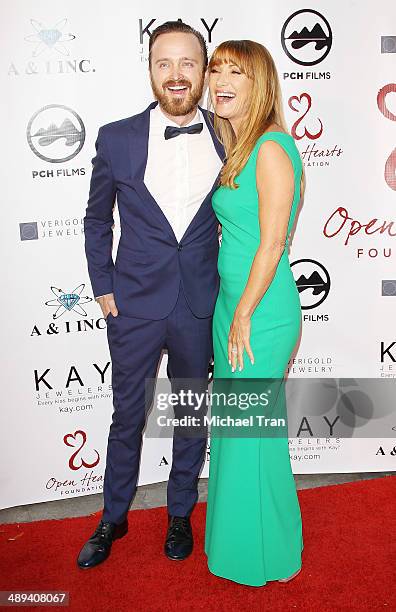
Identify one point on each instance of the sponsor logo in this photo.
(50, 46)
(56, 133)
(63, 304)
(313, 282)
(306, 37)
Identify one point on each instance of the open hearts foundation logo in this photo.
(302, 105)
(78, 440)
(386, 102)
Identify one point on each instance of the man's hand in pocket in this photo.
(107, 304)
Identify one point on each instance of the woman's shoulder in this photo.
(274, 132)
(284, 139)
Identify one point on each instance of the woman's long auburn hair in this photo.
(254, 60)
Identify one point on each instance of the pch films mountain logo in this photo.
(56, 133)
(313, 284)
(306, 39)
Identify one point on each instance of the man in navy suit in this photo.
(162, 167)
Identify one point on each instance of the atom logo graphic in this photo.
(49, 38)
(65, 302)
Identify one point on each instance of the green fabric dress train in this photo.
(253, 522)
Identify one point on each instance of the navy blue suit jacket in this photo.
(150, 263)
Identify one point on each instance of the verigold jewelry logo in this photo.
(53, 229)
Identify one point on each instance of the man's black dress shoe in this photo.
(179, 538)
(98, 547)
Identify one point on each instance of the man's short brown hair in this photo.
(179, 26)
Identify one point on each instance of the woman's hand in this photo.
(239, 340)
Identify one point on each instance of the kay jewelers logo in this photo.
(205, 26)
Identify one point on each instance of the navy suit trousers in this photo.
(135, 347)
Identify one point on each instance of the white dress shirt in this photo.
(180, 171)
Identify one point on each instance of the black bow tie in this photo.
(172, 131)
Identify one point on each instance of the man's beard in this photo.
(174, 106)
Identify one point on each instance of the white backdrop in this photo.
(69, 68)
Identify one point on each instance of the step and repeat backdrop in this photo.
(66, 69)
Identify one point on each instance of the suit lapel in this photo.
(217, 144)
(138, 150)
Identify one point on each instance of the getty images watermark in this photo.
(188, 407)
(189, 399)
(272, 407)
(197, 402)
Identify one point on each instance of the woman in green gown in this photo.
(253, 523)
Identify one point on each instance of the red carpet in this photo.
(349, 560)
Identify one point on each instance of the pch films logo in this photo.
(81, 476)
(208, 27)
(49, 49)
(313, 284)
(69, 314)
(306, 39)
(56, 135)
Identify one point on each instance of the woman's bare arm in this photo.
(275, 186)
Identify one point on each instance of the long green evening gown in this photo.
(253, 522)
